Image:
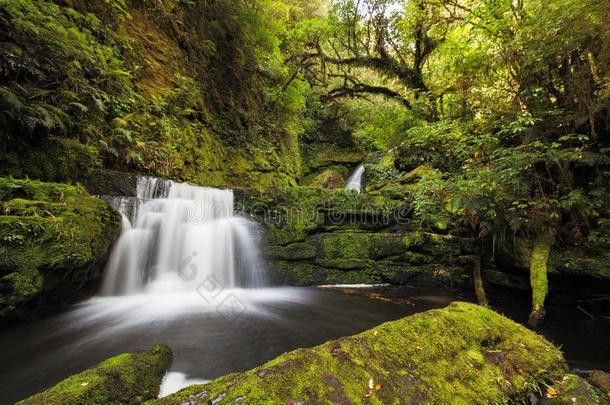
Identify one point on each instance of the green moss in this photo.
(416, 174)
(319, 157)
(418, 258)
(295, 273)
(343, 170)
(148, 94)
(124, 379)
(371, 246)
(345, 246)
(538, 276)
(56, 159)
(328, 179)
(54, 239)
(380, 172)
(593, 262)
(343, 233)
(439, 245)
(366, 275)
(293, 251)
(572, 389)
(460, 354)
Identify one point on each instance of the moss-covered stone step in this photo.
(124, 379)
(54, 240)
(463, 354)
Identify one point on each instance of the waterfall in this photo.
(354, 182)
(177, 236)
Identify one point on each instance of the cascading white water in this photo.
(180, 236)
(354, 182)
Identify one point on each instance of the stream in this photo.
(208, 344)
(187, 272)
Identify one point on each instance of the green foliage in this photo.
(92, 73)
(521, 89)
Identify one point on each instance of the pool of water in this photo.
(209, 341)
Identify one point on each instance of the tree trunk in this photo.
(538, 277)
(478, 283)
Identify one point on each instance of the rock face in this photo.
(111, 182)
(319, 157)
(320, 236)
(124, 379)
(328, 179)
(54, 239)
(463, 354)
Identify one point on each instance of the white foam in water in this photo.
(174, 382)
(354, 182)
(180, 236)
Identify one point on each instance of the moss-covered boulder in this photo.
(54, 239)
(416, 174)
(129, 378)
(463, 354)
(328, 179)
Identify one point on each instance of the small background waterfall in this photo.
(177, 236)
(354, 182)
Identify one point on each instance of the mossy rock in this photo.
(112, 182)
(124, 379)
(372, 246)
(328, 179)
(293, 251)
(593, 263)
(462, 354)
(341, 236)
(54, 240)
(295, 273)
(506, 280)
(343, 170)
(324, 155)
(439, 245)
(416, 174)
(572, 389)
(367, 275)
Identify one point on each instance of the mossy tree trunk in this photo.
(478, 282)
(538, 276)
